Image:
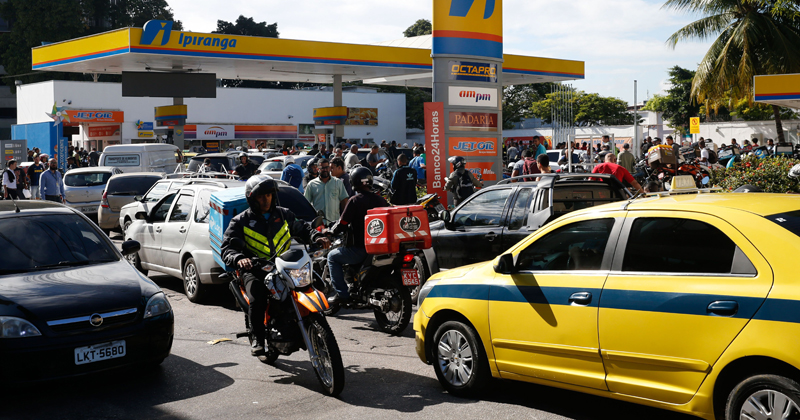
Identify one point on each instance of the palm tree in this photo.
(753, 37)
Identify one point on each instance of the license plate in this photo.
(91, 209)
(98, 352)
(410, 277)
(439, 207)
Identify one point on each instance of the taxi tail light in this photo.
(104, 202)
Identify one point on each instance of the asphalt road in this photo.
(201, 380)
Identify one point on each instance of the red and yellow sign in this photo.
(482, 170)
(473, 121)
(170, 113)
(468, 27)
(103, 131)
(77, 116)
(335, 115)
(473, 146)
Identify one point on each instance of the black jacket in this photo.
(246, 171)
(243, 225)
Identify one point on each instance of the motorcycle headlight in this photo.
(12, 327)
(157, 305)
(301, 277)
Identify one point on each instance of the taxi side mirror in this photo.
(504, 265)
(140, 215)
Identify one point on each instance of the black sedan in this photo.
(70, 304)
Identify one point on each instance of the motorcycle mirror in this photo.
(318, 221)
(237, 244)
(705, 180)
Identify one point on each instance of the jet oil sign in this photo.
(472, 96)
(473, 146)
(472, 71)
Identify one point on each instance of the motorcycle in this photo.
(295, 318)
(432, 206)
(380, 283)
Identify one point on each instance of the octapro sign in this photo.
(434, 146)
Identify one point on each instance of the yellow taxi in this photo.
(688, 302)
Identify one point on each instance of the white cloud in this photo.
(619, 40)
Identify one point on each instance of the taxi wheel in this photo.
(764, 397)
(461, 364)
(191, 282)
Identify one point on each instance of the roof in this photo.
(132, 174)
(779, 89)
(273, 59)
(91, 169)
(762, 204)
(40, 206)
(138, 147)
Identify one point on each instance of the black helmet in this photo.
(260, 185)
(457, 161)
(242, 154)
(361, 179)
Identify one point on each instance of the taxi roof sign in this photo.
(682, 182)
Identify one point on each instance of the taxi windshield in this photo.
(789, 221)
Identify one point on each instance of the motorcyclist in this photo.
(352, 220)
(267, 231)
(461, 182)
(312, 172)
(246, 167)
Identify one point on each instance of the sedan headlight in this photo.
(157, 305)
(11, 327)
(300, 277)
(423, 292)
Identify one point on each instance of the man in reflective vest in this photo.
(267, 231)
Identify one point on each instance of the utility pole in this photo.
(636, 144)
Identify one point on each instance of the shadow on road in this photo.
(404, 392)
(129, 393)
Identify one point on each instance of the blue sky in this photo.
(619, 40)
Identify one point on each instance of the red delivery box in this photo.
(386, 227)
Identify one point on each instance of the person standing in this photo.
(626, 158)
(676, 148)
(351, 158)
(94, 157)
(404, 183)
(34, 172)
(292, 173)
(418, 164)
(374, 159)
(22, 182)
(51, 183)
(311, 172)
(337, 170)
(538, 148)
(610, 167)
(326, 193)
(512, 152)
(461, 182)
(10, 181)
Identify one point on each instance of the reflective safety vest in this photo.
(263, 247)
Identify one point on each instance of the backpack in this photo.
(530, 166)
(712, 157)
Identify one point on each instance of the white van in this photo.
(142, 157)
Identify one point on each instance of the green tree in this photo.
(752, 37)
(420, 27)
(748, 111)
(247, 26)
(34, 22)
(588, 109)
(517, 101)
(677, 105)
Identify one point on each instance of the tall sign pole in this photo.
(468, 80)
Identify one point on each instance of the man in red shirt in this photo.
(610, 167)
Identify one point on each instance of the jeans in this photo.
(339, 257)
(35, 193)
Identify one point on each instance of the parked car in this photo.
(174, 233)
(127, 213)
(72, 305)
(121, 189)
(496, 217)
(220, 162)
(83, 187)
(684, 302)
(274, 166)
(149, 157)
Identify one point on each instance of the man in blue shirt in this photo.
(418, 164)
(51, 183)
(538, 148)
(292, 173)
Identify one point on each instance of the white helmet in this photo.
(289, 160)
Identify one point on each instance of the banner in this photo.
(80, 116)
(472, 96)
(482, 170)
(473, 146)
(435, 159)
(473, 121)
(103, 131)
(362, 116)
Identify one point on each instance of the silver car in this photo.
(120, 190)
(274, 166)
(173, 233)
(83, 187)
(127, 214)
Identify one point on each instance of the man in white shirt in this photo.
(703, 153)
(351, 158)
(10, 181)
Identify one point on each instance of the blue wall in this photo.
(43, 135)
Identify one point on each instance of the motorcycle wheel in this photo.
(394, 322)
(328, 367)
(422, 271)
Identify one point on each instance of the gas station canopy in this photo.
(159, 49)
(781, 90)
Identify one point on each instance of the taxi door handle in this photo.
(580, 298)
(182, 229)
(491, 236)
(158, 229)
(723, 307)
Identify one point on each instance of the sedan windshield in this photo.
(44, 242)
